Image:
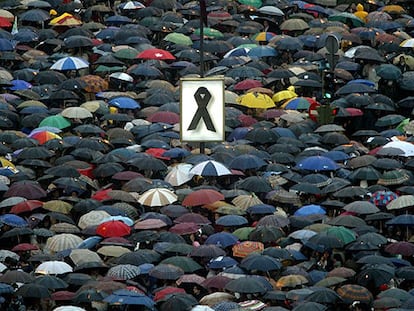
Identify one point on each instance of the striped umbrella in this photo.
(62, 242)
(124, 272)
(157, 197)
(70, 63)
(353, 292)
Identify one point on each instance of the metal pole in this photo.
(203, 17)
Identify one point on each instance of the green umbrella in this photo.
(347, 18)
(254, 3)
(243, 233)
(210, 32)
(178, 38)
(341, 233)
(402, 124)
(127, 53)
(330, 281)
(103, 68)
(55, 121)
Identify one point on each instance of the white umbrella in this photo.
(53, 267)
(82, 256)
(157, 197)
(210, 168)
(69, 308)
(121, 76)
(401, 202)
(70, 63)
(271, 10)
(93, 218)
(406, 147)
(179, 174)
(76, 113)
(60, 242)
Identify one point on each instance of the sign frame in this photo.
(189, 108)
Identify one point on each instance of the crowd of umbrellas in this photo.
(104, 208)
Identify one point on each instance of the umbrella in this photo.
(210, 168)
(166, 272)
(127, 297)
(317, 163)
(256, 101)
(401, 247)
(202, 197)
(353, 292)
(113, 228)
(157, 197)
(33, 290)
(291, 281)
(124, 272)
(70, 63)
(247, 285)
(260, 263)
(54, 267)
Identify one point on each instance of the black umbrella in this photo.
(33, 290)
(247, 285)
(177, 302)
(77, 41)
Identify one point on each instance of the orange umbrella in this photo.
(245, 248)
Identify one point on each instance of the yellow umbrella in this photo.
(284, 95)
(393, 8)
(6, 163)
(65, 19)
(256, 101)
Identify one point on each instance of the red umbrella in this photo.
(169, 290)
(164, 117)
(23, 247)
(156, 54)
(26, 206)
(247, 84)
(157, 153)
(247, 120)
(63, 295)
(202, 197)
(114, 228)
(102, 195)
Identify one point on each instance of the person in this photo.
(402, 64)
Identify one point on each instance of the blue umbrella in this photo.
(402, 220)
(246, 161)
(262, 51)
(222, 262)
(124, 102)
(311, 209)
(284, 132)
(107, 33)
(25, 36)
(222, 239)
(20, 85)
(175, 153)
(231, 220)
(261, 209)
(238, 133)
(90, 242)
(6, 45)
(13, 220)
(70, 63)
(126, 297)
(317, 163)
(336, 155)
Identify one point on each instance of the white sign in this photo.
(202, 109)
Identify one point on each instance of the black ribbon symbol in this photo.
(202, 97)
